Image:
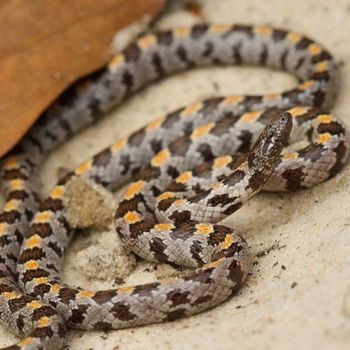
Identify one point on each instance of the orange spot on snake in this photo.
(57, 192)
(118, 146)
(44, 321)
(131, 217)
(298, 111)
(160, 158)
(86, 294)
(83, 168)
(191, 109)
(31, 265)
(220, 28)
(11, 295)
(290, 156)
(227, 242)
(115, 62)
(155, 124)
(55, 288)
(12, 204)
(250, 117)
(11, 163)
(184, 177)
(204, 229)
(3, 228)
(315, 49)
(16, 185)
(294, 37)
(325, 118)
(306, 85)
(272, 97)
(134, 189)
(221, 162)
(213, 264)
(324, 138)
(166, 195)
(125, 290)
(321, 66)
(232, 100)
(26, 342)
(181, 32)
(43, 216)
(33, 241)
(165, 226)
(263, 30)
(147, 41)
(41, 280)
(201, 131)
(179, 202)
(35, 304)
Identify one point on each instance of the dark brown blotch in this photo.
(231, 209)
(42, 332)
(31, 254)
(181, 216)
(246, 141)
(180, 146)
(165, 204)
(18, 195)
(312, 152)
(52, 204)
(234, 178)
(140, 227)
(137, 137)
(334, 128)
(67, 294)
(303, 43)
(104, 296)
(132, 53)
(10, 217)
(178, 297)
(175, 315)
(103, 158)
(198, 30)
(42, 229)
(322, 56)
(165, 38)
(122, 311)
(293, 178)
(102, 326)
(17, 304)
(279, 34)
(14, 174)
(145, 290)
(324, 76)
(44, 310)
(221, 200)
(157, 64)
(246, 29)
(171, 119)
(29, 275)
(77, 316)
(157, 247)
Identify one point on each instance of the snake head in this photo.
(268, 147)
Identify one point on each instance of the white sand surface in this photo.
(298, 296)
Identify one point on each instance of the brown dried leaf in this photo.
(47, 45)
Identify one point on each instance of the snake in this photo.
(186, 171)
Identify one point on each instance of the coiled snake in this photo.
(189, 169)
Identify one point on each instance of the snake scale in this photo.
(188, 170)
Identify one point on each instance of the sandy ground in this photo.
(299, 293)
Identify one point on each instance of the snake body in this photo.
(189, 170)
